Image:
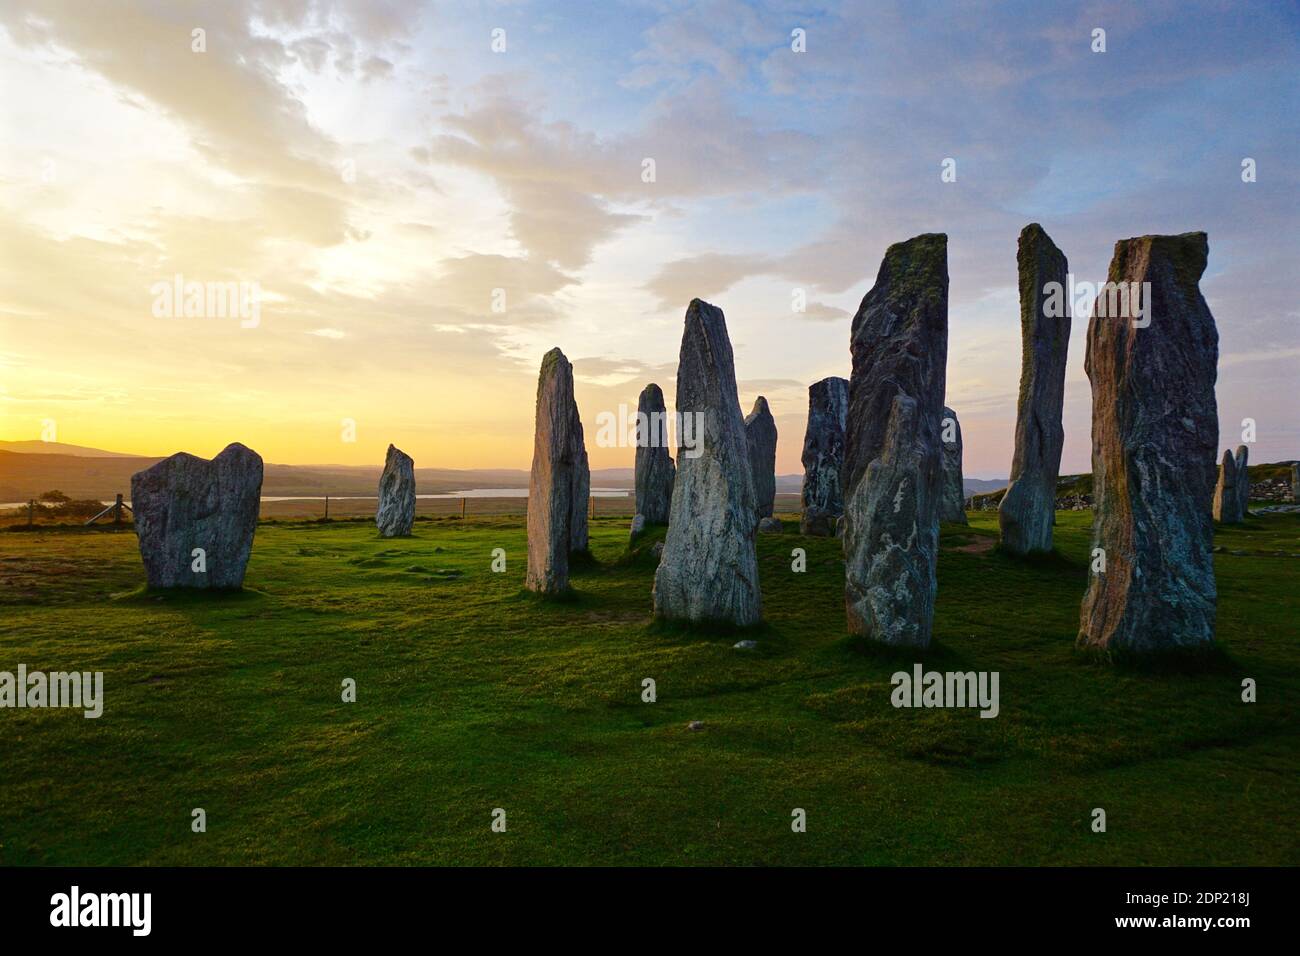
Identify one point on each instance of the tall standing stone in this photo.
(708, 571)
(195, 518)
(892, 471)
(558, 483)
(760, 435)
(396, 513)
(1227, 501)
(654, 466)
(1295, 484)
(1028, 508)
(1155, 431)
(1243, 480)
(823, 455)
(952, 500)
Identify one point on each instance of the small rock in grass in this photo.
(770, 526)
(745, 645)
(695, 725)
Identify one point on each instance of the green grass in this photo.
(474, 695)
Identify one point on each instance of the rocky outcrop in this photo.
(708, 571)
(823, 455)
(892, 471)
(1155, 432)
(1243, 480)
(195, 518)
(396, 512)
(760, 435)
(1227, 499)
(952, 499)
(654, 466)
(559, 481)
(1027, 512)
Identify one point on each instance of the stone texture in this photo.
(760, 435)
(770, 526)
(559, 481)
(1155, 432)
(892, 471)
(654, 466)
(396, 512)
(708, 571)
(1295, 484)
(637, 529)
(823, 455)
(1227, 498)
(1027, 511)
(952, 499)
(1243, 480)
(183, 503)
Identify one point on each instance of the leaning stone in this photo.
(892, 472)
(709, 569)
(1227, 501)
(1028, 509)
(396, 512)
(557, 486)
(770, 526)
(952, 499)
(760, 434)
(654, 466)
(1155, 432)
(1243, 480)
(195, 518)
(823, 455)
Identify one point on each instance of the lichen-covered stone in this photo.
(892, 471)
(559, 481)
(760, 435)
(185, 504)
(1155, 433)
(1227, 499)
(396, 513)
(952, 499)
(708, 570)
(1243, 480)
(1028, 509)
(655, 470)
(823, 456)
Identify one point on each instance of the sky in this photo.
(425, 198)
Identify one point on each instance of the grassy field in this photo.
(473, 695)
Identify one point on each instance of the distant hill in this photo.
(59, 448)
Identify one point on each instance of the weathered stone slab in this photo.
(1155, 433)
(1227, 500)
(708, 571)
(195, 518)
(559, 481)
(823, 456)
(396, 513)
(892, 471)
(760, 434)
(1028, 509)
(952, 499)
(1243, 480)
(655, 470)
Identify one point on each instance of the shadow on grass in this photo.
(188, 597)
(1174, 661)
(692, 632)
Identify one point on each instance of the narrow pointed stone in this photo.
(708, 571)
(1155, 433)
(952, 500)
(823, 456)
(195, 519)
(1227, 500)
(558, 483)
(760, 435)
(1028, 509)
(396, 513)
(892, 471)
(1243, 480)
(655, 470)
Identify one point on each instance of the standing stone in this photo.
(823, 455)
(558, 484)
(760, 435)
(709, 570)
(186, 504)
(952, 500)
(1295, 484)
(396, 512)
(1227, 500)
(1028, 509)
(654, 466)
(892, 472)
(1155, 431)
(1243, 481)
